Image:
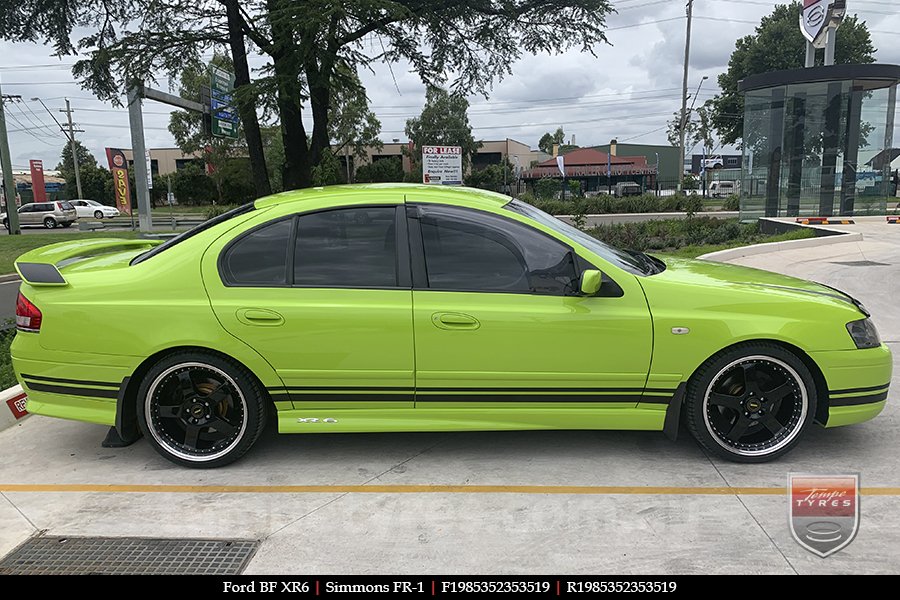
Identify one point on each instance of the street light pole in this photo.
(684, 95)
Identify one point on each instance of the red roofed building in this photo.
(597, 170)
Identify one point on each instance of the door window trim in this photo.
(401, 254)
(420, 271)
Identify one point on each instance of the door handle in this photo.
(453, 320)
(259, 316)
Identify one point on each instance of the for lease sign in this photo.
(442, 165)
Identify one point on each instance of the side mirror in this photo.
(591, 280)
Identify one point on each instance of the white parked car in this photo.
(92, 208)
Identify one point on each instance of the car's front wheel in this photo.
(50, 223)
(751, 403)
(200, 410)
(98, 214)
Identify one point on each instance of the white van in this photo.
(723, 189)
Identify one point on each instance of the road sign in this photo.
(224, 118)
(442, 165)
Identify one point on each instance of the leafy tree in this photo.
(444, 122)
(491, 177)
(549, 139)
(96, 182)
(192, 186)
(353, 126)
(778, 44)
(697, 132)
(312, 48)
(192, 136)
(381, 170)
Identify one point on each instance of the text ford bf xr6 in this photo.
(411, 308)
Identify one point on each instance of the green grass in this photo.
(13, 246)
(7, 376)
(695, 251)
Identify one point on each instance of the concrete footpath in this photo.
(516, 502)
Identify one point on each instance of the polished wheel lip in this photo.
(804, 399)
(148, 415)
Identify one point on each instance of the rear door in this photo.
(324, 296)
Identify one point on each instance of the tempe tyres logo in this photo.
(824, 511)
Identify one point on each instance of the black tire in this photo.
(186, 419)
(6, 224)
(50, 223)
(98, 214)
(751, 403)
(67, 224)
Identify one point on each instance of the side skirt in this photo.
(467, 419)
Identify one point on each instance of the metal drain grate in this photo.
(128, 556)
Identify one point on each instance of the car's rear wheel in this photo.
(50, 223)
(751, 403)
(200, 410)
(67, 224)
(6, 224)
(98, 214)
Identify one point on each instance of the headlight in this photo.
(864, 333)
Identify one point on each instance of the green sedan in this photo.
(376, 308)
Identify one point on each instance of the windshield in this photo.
(192, 232)
(633, 262)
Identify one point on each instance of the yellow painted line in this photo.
(416, 489)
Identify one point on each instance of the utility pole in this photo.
(9, 184)
(684, 95)
(68, 110)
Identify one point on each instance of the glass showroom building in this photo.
(814, 141)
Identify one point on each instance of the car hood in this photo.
(714, 275)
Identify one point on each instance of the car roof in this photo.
(412, 192)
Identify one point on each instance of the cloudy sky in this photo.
(628, 91)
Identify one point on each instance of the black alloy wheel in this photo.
(200, 410)
(751, 404)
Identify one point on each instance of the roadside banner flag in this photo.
(38, 188)
(118, 164)
(561, 165)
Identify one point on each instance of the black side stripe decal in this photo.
(874, 388)
(72, 391)
(71, 381)
(528, 398)
(636, 390)
(855, 400)
(353, 397)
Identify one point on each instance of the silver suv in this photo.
(45, 214)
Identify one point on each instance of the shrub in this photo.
(7, 376)
(381, 170)
(732, 202)
(670, 234)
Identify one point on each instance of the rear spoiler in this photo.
(40, 267)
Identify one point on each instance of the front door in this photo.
(499, 320)
(325, 298)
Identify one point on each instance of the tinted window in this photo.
(45, 206)
(260, 257)
(470, 250)
(350, 247)
(27, 208)
(67, 205)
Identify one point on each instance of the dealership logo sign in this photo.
(824, 511)
(817, 16)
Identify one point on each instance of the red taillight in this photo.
(28, 316)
